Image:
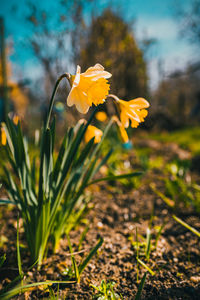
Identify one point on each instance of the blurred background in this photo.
(150, 47)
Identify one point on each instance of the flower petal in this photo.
(91, 132)
(139, 103)
(97, 72)
(77, 76)
(3, 136)
(79, 99)
(124, 134)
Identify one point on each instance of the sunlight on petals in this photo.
(90, 87)
(91, 132)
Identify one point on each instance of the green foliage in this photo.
(140, 288)
(75, 271)
(143, 247)
(110, 41)
(180, 186)
(105, 291)
(187, 138)
(49, 189)
(53, 204)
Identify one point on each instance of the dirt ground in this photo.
(117, 211)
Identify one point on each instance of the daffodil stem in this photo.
(46, 126)
(115, 104)
(65, 75)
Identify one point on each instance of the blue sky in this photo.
(153, 19)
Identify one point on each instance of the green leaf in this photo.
(21, 289)
(74, 264)
(103, 161)
(140, 288)
(6, 201)
(148, 243)
(116, 177)
(59, 161)
(84, 153)
(192, 229)
(18, 252)
(90, 255)
(146, 267)
(167, 200)
(2, 259)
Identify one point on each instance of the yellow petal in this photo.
(122, 130)
(15, 119)
(3, 136)
(139, 103)
(134, 124)
(77, 77)
(97, 72)
(98, 91)
(124, 134)
(91, 132)
(142, 114)
(79, 98)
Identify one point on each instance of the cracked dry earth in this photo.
(116, 213)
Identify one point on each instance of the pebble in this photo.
(175, 259)
(99, 225)
(195, 279)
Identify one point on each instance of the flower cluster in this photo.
(92, 87)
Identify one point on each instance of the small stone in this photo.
(99, 225)
(195, 279)
(175, 259)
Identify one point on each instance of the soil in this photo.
(117, 210)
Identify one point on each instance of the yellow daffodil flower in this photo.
(91, 132)
(3, 136)
(15, 119)
(90, 87)
(122, 130)
(132, 110)
(101, 116)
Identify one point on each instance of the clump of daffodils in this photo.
(92, 87)
(52, 197)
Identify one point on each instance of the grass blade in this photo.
(192, 229)
(146, 267)
(167, 200)
(148, 244)
(140, 288)
(116, 177)
(90, 255)
(2, 259)
(6, 201)
(18, 252)
(19, 289)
